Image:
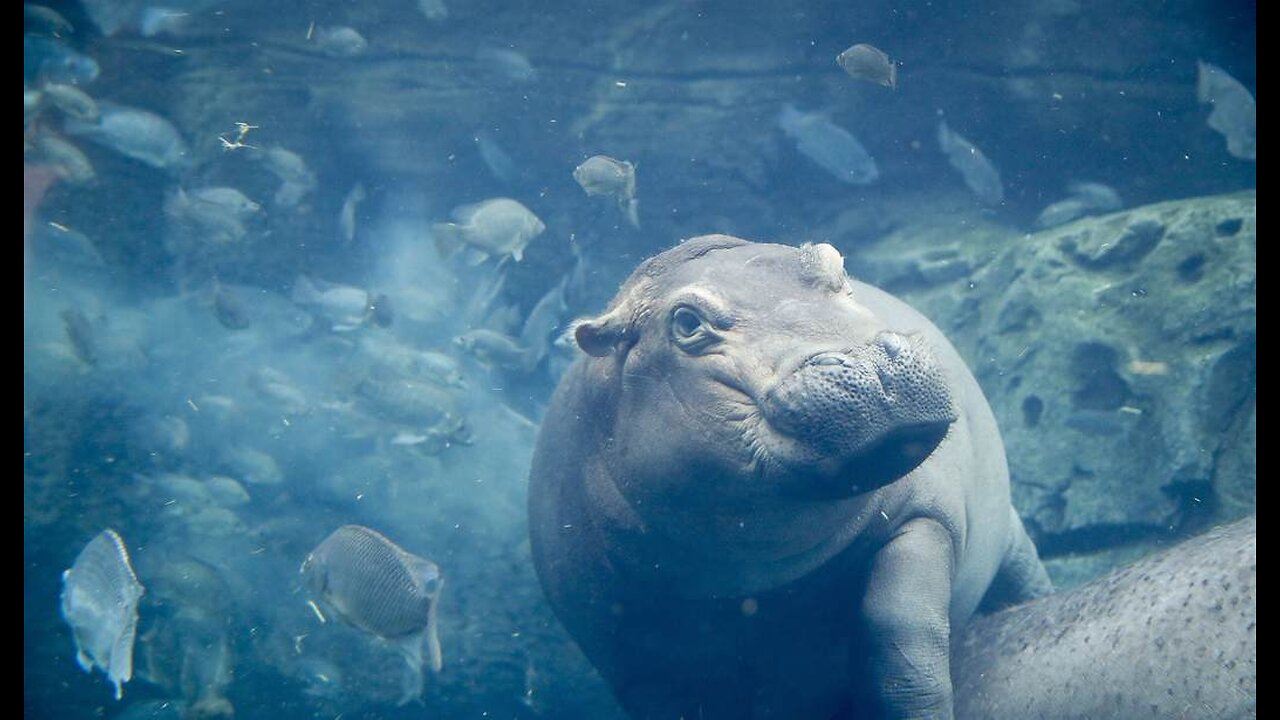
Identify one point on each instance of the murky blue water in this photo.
(261, 301)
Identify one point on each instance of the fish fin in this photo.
(474, 256)
(518, 254)
(448, 238)
(632, 210)
(431, 639)
(84, 661)
(410, 648)
(304, 291)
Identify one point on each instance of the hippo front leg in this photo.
(907, 611)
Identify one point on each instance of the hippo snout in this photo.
(885, 403)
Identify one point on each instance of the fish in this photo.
(344, 307)
(296, 179)
(65, 159)
(439, 368)
(832, 147)
(1095, 195)
(542, 323)
(251, 465)
(1235, 112)
(382, 589)
(979, 174)
(870, 63)
(1061, 213)
(66, 245)
(347, 215)
(45, 20)
(100, 595)
(278, 389)
(1087, 198)
(49, 60)
(84, 342)
(495, 158)
(230, 308)
(499, 227)
(217, 213)
(433, 10)
(135, 133)
(494, 348)
(227, 492)
(339, 41)
(163, 21)
(71, 100)
(423, 405)
(506, 62)
(603, 175)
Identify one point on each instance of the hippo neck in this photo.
(691, 554)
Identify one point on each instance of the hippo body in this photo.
(1173, 635)
(767, 490)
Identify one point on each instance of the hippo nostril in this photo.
(892, 343)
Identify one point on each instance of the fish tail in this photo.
(304, 291)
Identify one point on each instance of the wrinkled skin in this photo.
(769, 491)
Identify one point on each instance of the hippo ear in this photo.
(600, 335)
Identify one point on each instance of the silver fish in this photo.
(603, 175)
(493, 348)
(1087, 198)
(380, 588)
(829, 145)
(500, 227)
(44, 19)
(978, 172)
(1235, 112)
(65, 159)
(495, 158)
(433, 10)
(344, 307)
(347, 215)
(100, 594)
(230, 307)
(72, 101)
(340, 41)
(217, 214)
(134, 133)
(423, 405)
(296, 179)
(508, 63)
(870, 63)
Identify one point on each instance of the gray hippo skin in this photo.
(769, 491)
(1172, 636)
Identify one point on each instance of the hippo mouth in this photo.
(852, 421)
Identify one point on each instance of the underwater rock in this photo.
(1120, 356)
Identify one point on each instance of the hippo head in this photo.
(757, 366)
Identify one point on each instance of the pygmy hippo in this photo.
(768, 490)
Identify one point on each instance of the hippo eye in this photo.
(690, 330)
